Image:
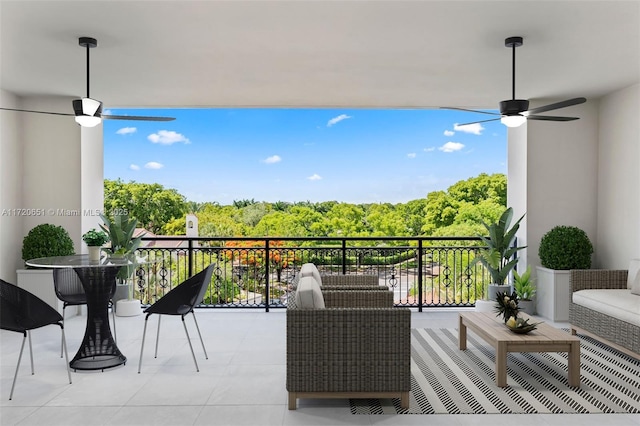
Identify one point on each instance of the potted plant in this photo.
(44, 240)
(94, 240)
(561, 249)
(497, 256)
(525, 290)
(120, 231)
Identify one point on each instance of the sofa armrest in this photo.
(348, 350)
(357, 298)
(585, 279)
(351, 280)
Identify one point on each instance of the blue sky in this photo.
(348, 155)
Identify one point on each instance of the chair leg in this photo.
(31, 353)
(64, 307)
(144, 333)
(190, 345)
(201, 341)
(15, 376)
(113, 316)
(158, 336)
(66, 355)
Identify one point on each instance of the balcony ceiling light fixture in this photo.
(515, 112)
(87, 111)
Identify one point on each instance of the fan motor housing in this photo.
(514, 106)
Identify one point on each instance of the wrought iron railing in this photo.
(258, 272)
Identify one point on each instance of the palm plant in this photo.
(120, 231)
(499, 249)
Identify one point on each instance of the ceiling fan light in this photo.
(88, 120)
(513, 120)
(90, 106)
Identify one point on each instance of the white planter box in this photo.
(40, 283)
(554, 293)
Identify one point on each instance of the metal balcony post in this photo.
(344, 256)
(420, 269)
(266, 272)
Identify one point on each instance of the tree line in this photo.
(458, 211)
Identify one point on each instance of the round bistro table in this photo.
(98, 350)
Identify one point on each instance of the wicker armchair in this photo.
(604, 327)
(353, 352)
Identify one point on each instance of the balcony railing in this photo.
(422, 272)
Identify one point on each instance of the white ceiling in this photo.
(318, 53)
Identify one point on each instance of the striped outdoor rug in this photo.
(448, 380)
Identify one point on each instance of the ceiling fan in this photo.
(88, 111)
(514, 112)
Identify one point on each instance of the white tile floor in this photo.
(242, 382)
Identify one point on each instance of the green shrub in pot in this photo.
(564, 248)
(46, 240)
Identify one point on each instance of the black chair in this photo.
(180, 301)
(21, 311)
(69, 290)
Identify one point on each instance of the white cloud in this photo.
(475, 128)
(167, 137)
(272, 160)
(126, 131)
(337, 119)
(449, 133)
(153, 165)
(315, 176)
(411, 155)
(451, 147)
(431, 148)
(134, 167)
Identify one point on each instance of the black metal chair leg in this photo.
(64, 307)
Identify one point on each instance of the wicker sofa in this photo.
(356, 346)
(604, 306)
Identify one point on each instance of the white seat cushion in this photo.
(620, 304)
(311, 270)
(309, 294)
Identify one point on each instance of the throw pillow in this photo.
(308, 294)
(311, 270)
(634, 271)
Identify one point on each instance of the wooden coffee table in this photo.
(543, 339)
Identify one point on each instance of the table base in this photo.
(98, 350)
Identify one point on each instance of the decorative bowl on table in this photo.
(521, 325)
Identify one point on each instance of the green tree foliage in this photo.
(459, 211)
(150, 203)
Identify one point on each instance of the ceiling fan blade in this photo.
(471, 110)
(557, 105)
(38, 112)
(136, 117)
(551, 118)
(476, 122)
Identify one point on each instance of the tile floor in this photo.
(242, 382)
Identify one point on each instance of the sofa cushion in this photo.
(311, 270)
(308, 294)
(620, 304)
(634, 271)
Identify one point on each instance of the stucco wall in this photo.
(10, 189)
(618, 233)
(51, 168)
